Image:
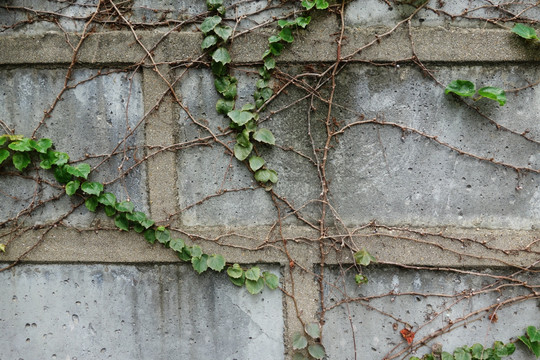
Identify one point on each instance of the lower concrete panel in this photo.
(423, 302)
(134, 312)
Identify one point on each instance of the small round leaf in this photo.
(299, 341)
(216, 262)
(461, 88)
(316, 351)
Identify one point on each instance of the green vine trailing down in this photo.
(75, 181)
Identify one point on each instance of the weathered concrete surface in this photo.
(377, 333)
(92, 118)
(135, 312)
(380, 172)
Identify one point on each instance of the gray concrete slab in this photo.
(90, 120)
(135, 312)
(433, 301)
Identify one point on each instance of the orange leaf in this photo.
(407, 335)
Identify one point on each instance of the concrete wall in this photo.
(444, 192)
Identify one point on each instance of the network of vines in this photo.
(242, 129)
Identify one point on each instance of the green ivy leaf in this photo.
(110, 210)
(48, 159)
(493, 93)
(286, 35)
(24, 144)
(150, 236)
(81, 170)
(4, 154)
(121, 222)
(253, 274)
(240, 117)
(213, 4)
(308, 4)
(446, 356)
(124, 206)
(92, 188)
(271, 280)
(276, 48)
(300, 356)
(210, 23)
(299, 341)
(264, 73)
(107, 199)
(216, 262)
(525, 31)
(364, 258)
(303, 21)
(243, 138)
(461, 88)
(163, 236)
(196, 251)
(321, 4)
(269, 63)
(221, 55)
(241, 152)
(138, 228)
(218, 69)
(265, 175)
(265, 136)
(177, 244)
(185, 254)
(3, 139)
(136, 216)
(462, 354)
(313, 330)
(91, 203)
(224, 106)
(274, 39)
(21, 160)
(255, 162)
(42, 145)
(60, 158)
(360, 279)
(240, 281)
(254, 286)
(316, 351)
(61, 175)
(477, 350)
(266, 93)
(284, 23)
(235, 271)
(200, 263)
(72, 187)
(208, 42)
(533, 333)
(223, 32)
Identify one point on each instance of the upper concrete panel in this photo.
(89, 124)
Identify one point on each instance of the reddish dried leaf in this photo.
(407, 335)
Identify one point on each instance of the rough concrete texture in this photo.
(374, 12)
(134, 312)
(92, 118)
(377, 333)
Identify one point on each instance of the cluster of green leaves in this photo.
(75, 180)
(466, 88)
(475, 352)
(532, 340)
(363, 258)
(313, 345)
(525, 32)
(243, 121)
(252, 278)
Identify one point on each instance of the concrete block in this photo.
(436, 13)
(135, 312)
(88, 123)
(433, 300)
(399, 177)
